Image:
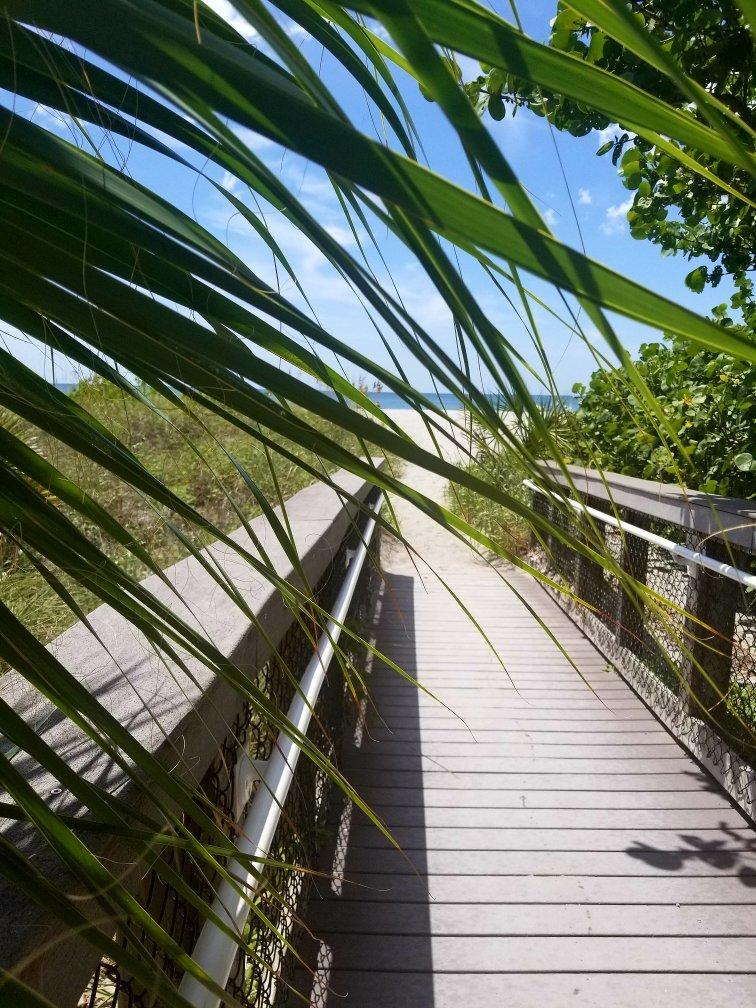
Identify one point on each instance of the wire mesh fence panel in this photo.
(742, 694)
(263, 968)
(687, 645)
(110, 987)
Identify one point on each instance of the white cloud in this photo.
(614, 222)
(293, 29)
(342, 235)
(331, 300)
(584, 197)
(47, 116)
(229, 181)
(255, 141)
(550, 217)
(52, 119)
(234, 18)
(611, 132)
(229, 14)
(421, 299)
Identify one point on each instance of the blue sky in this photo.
(599, 200)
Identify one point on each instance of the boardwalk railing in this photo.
(688, 647)
(205, 731)
(215, 950)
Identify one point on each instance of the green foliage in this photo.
(504, 527)
(676, 208)
(190, 454)
(708, 399)
(496, 461)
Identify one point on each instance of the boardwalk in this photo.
(559, 846)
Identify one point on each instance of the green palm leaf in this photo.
(100, 268)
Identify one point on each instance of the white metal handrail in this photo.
(215, 950)
(692, 558)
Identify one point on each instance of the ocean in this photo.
(391, 401)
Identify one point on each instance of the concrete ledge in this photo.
(707, 514)
(181, 722)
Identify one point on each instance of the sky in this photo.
(582, 186)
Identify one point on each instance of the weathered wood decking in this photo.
(567, 850)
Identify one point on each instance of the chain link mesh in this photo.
(688, 646)
(262, 972)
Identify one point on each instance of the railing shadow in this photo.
(370, 920)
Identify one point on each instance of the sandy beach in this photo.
(426, 535)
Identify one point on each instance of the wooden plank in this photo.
(498, 660)
(485, 766)
(567, 781)
(515, 636)
(452, 695)
(469, 677)
(466, 954)
(511, 707)
(559, 847)
(520, 671)
(402, 691)
(381, 918)
(431, 653)
(662, 748)
(717, 842)
(644, 890)
(489, 736)
(688, 860)
(697, 820)
(462, 673)
(450, 798)
(514, 640)
(502, 685)
(440, 717)
(515, 633)
(481, 664)
(506, 696)
(518, 990)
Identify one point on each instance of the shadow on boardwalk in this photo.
(352, 906)
(696, 849)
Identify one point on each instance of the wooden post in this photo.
(631, 629)
(714, 600)
(589, 575)
(541, 507)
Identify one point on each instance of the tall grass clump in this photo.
(496, 461)
(194, 452)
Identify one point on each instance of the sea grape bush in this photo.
(709, 400)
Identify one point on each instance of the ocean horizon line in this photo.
(448, 400)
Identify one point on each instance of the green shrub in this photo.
(710, 402)
(497, 463)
